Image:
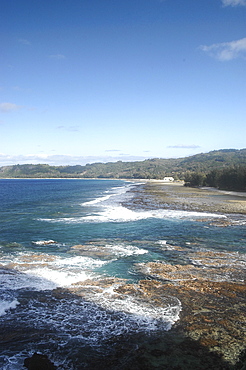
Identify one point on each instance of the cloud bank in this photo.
(58, 160)
(234, 2)
(226, 50)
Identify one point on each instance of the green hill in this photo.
(156, 168)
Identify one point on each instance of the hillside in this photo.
(156, 168)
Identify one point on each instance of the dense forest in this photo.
(221, 168)
(232, 178)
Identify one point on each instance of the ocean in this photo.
(72, 257)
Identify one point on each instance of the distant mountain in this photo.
(156, 168)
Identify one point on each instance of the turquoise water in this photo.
(71, 233)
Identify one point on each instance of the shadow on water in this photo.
(132, 350)
(170, 351)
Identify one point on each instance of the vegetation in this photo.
(222, 168)
(232, 178)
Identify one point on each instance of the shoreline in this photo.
(206, 280)
(174, 196)
(212, 315)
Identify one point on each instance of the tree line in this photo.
(232, 178)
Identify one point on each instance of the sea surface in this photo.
(59, 237)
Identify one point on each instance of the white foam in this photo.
(43, 278)
(127, 250)
(79, 261)
(240, 222)
(51, 279)
(108, 208)
(44, 242)
(97, 200)
(93, 322)
(113, 192)
(165, 246)
(7, 305)
(24, 280)
(122, 214)
(143, 312)
(46, 275)
(118, 213)
(113, 211)
(13, 362)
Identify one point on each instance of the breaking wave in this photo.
(5, 306)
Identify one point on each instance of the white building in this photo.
(168, 179)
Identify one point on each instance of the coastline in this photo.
(206, 331)
(158, 194)
(210, 332)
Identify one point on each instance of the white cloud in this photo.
(226, 50)
(234, 2)
(112, 150)
(57, 56)
(17, 88)
(68, 128)
(8, 107)
(183, 146)
(57, 160)
(24, 42)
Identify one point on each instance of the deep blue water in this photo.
(113, 241)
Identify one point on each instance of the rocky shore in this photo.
(213, 297)
(157, 194)
(209, 333)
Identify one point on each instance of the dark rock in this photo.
(39, 362)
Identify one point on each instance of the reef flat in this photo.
(157, 194)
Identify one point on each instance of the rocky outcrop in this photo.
(39, 362)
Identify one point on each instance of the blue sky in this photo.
(86, 81)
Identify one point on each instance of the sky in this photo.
(85, 81)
